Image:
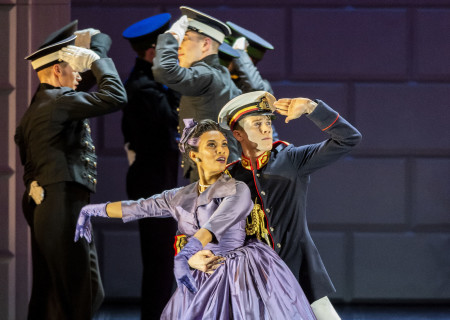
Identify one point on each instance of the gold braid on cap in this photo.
(261, 105)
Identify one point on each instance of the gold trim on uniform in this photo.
(180, 242)
(261, 161)
(256, 225)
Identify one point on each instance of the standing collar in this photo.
(261, 161)
(143, 64)
(212, 60)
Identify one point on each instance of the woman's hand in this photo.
(205, 261)
(181, 269)
(83, 227)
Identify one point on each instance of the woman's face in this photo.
(212, 152)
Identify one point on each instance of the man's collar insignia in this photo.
(261, 161)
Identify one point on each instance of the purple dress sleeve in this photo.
(157, 206)
(232, 209)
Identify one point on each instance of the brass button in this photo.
(271, 229)
(263, 193)
(278, 245)
(267, 210)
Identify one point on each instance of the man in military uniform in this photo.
(278, 176)
(252, 47)
(58, 154)
(149, 127)
(205, 85)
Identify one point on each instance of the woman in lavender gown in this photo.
(251, 281)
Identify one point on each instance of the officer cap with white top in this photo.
(205, 24)
(247, 104)
(47, 54)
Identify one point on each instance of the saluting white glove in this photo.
(240, 44)
(178, 29)
(83, 38)
(80, 59)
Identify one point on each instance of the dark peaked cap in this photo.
(257, 46)
(143, 34)
(227, 51)
(227, 54)
(47, 53)
(61, 34)
(206, 25)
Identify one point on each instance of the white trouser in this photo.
(324, 310)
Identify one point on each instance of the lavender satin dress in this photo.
(253, 282)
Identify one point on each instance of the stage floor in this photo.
(120, 311)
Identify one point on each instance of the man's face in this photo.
(68, 77)
(190, 50)
(258, 132)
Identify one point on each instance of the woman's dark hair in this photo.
(191, 142)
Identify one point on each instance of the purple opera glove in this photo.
(83, 228)
(181, 267)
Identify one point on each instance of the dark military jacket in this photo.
(149, 125)
(150, 119)
(54, 137)
(279, 184)
(205, 87)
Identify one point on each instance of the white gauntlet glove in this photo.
(179, 29)
(80, 59)
(36, 192)
(83, 38)
(240, 44)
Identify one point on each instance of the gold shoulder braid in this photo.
(256, 225)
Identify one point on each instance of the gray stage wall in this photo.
(380, 217)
